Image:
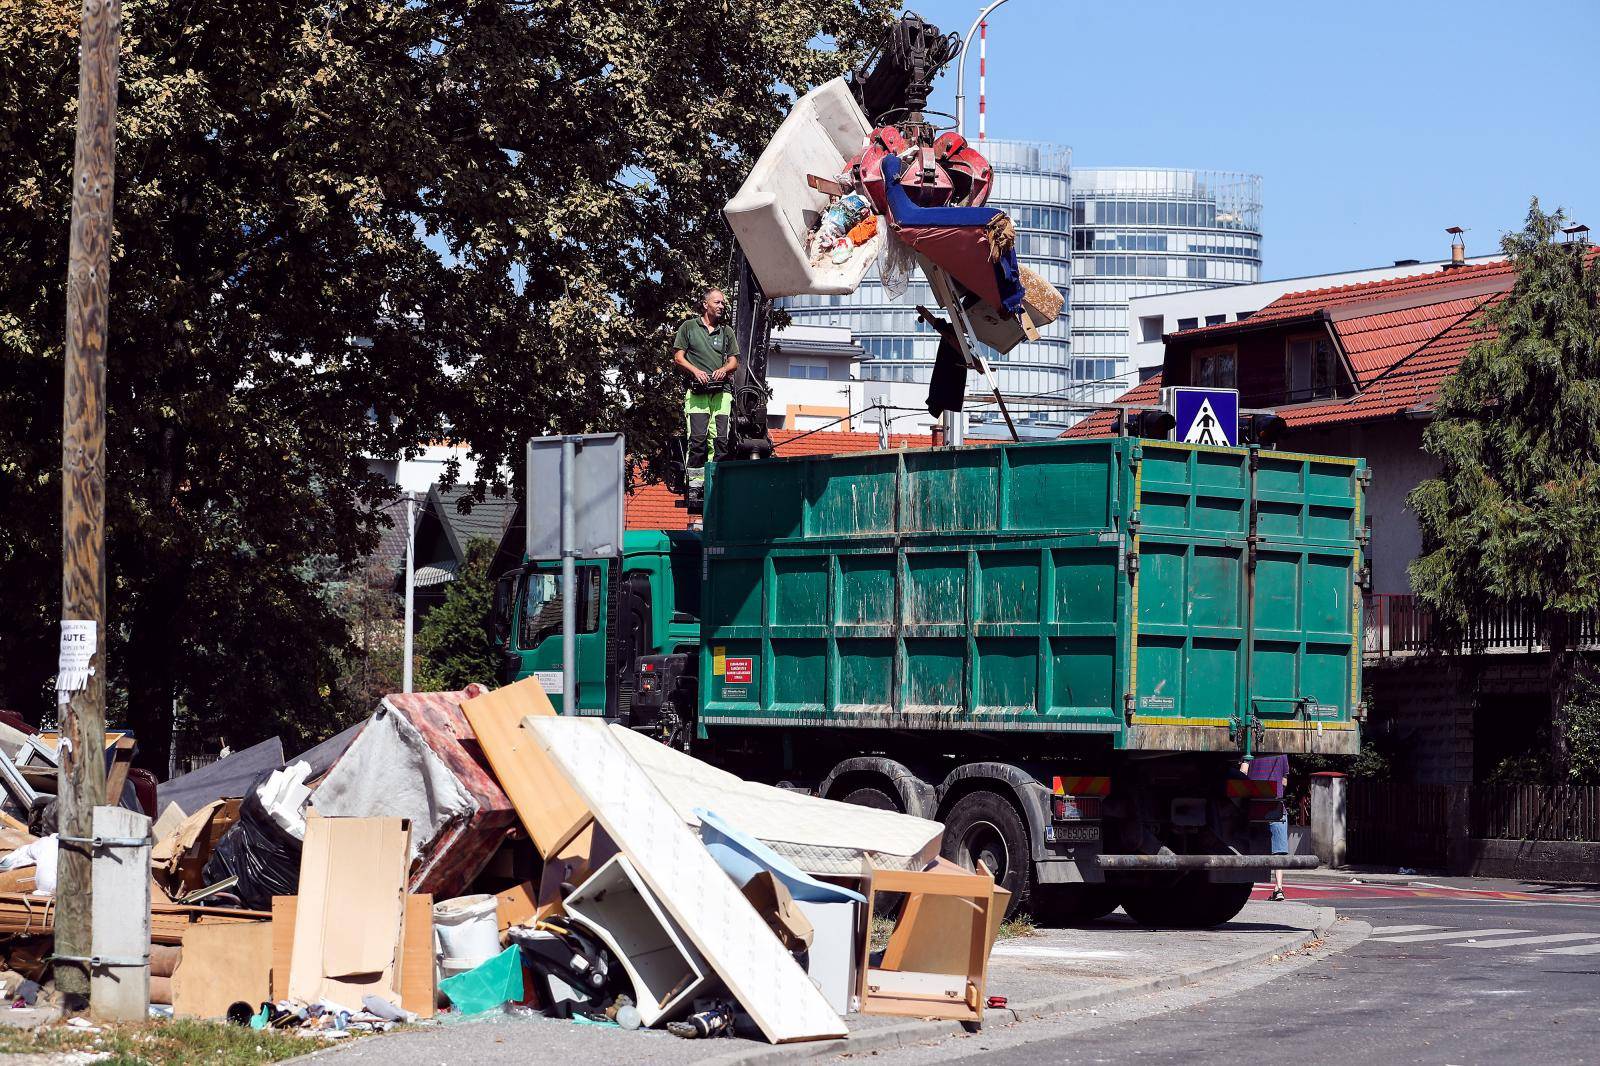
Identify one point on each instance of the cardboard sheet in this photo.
(550, 810)
(417, 974)
(687, 882)
(347, 939)
(223, 965)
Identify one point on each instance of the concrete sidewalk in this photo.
(1053, 971)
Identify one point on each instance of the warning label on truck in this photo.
(739, 671)
(1158, 703)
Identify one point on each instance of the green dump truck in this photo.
(1062, 650)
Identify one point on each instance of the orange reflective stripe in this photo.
(1079, 785)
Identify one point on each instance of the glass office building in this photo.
(1146, 231)
(1033, 185)
(1100, 236)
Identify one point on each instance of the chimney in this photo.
(1458, 246)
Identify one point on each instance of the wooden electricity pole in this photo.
(81, 681)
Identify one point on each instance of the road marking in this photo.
(1391, 929)
(1576, 949)
(1418, 938)
(1518, 941)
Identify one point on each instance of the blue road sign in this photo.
(1204, 416)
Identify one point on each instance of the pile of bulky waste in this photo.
(473, 854)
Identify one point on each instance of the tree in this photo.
(1512, 522)
(344, 229)
(453, 645)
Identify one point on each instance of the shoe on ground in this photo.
(1277, 895)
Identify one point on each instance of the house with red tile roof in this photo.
(1353, 371)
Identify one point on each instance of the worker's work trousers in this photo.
(706, 414)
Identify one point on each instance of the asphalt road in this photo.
(1454, 972)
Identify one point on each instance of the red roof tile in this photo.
(658, 507)
(1101, 423)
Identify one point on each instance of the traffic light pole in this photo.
(81, 678)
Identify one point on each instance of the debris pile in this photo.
(473, 853)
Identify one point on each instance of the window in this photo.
(541, 605)
(1242, 315)
(1311, 371)
(1150, 327)
(1188, 323)
(1216, 320)
(816, 369)
(1213, 368)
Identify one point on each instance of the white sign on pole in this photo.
(597, 496)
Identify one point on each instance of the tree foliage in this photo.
(453, 646)
(345, 228)
(1512, 522)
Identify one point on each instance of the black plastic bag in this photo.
(264, 855)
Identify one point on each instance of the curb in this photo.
(1345, 877)
(893, 1036)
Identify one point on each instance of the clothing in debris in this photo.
(947, 387)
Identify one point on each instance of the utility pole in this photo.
(411, 588)
(81, 678)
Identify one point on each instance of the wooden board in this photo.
(687, 881)
(921, 939)
(223, 965)
(515, 906)
(417, 992)
(119, 878)
(283, 912)
(550, 810)
(347, 938)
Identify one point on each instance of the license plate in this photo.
(1077, 833)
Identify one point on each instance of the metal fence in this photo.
(1399, 624)
(1536, 812)
(1390, 824)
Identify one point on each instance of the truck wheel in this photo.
(1191, 902)
(1058, 905)
(867, 796)
(984, 826)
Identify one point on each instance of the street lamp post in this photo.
(961, 68)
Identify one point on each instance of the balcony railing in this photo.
(1398, 624)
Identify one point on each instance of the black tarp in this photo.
(226, 778)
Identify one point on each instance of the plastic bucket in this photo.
(467, 928)
(449, 967)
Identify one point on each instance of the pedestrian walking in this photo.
(1275, 769)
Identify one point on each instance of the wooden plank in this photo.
(347, 938)
(283, 914)
(550, 810)
(119, 880)
(117, 774)
(515, 906)
(223, 965)
(417, 974)
(686, 881)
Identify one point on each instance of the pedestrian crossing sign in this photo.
(1204, 416)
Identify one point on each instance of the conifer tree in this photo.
(1512, 522)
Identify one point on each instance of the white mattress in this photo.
(818, 835)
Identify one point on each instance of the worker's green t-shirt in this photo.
(705, 349)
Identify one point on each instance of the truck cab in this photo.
(632, 613)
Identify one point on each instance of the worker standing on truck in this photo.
(706, 349)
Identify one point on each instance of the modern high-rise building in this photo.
(1102, 237)
(1145, 231)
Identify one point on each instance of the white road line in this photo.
(1518, 941)
(1576, 949)
(1417, 938)
(1389, 929)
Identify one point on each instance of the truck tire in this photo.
(1060, 905)
(1190, 902)
(867, 796)
(984, 826)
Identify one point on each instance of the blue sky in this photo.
(1374, 125)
